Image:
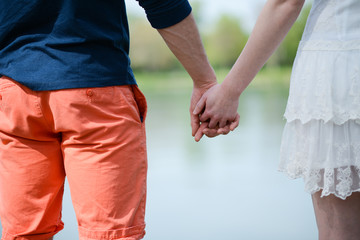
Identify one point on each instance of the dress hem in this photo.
(318, 188)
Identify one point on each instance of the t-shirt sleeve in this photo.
(165, 13)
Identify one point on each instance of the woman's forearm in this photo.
(274, 22)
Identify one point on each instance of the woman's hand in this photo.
(217, 111)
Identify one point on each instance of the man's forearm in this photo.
(184, 41)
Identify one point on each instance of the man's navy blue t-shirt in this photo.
(60, 44)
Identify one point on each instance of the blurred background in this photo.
(227, 187)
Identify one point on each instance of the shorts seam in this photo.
(6, 234)
(112, 234)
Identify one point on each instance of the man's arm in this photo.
(176, 24)
(184, 41)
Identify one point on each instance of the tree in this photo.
(225, 42)
(286, 53)
(148, 52)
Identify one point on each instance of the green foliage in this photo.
(225, 42)
(286, 53)
(269, 80)
(148, 52)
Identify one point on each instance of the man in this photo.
(70, 106)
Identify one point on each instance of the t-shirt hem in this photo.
(171, 16)
(71, 84)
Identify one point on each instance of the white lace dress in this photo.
(321, 139)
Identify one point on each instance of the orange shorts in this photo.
(95, 137)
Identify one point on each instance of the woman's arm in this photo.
(274, 22)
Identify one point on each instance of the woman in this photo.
(321, 139)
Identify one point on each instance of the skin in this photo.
(219, 105)
(184, 41)
(337, 219)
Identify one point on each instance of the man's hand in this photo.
(217, 113)
(203, 129)
(184, 41)
(195, 119)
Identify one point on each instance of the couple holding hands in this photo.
(70, 107)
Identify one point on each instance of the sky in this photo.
(245, 10)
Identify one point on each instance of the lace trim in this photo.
(341, 182)
(325, 85)
(319, 45)
(325, 155)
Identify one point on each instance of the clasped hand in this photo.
(213, 112)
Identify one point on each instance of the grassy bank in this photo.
(268, 80)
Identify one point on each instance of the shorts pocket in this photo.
(140, 102)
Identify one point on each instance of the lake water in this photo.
(224, 188)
